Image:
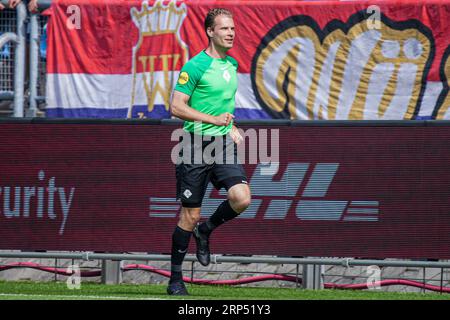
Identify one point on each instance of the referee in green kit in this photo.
(205, 94)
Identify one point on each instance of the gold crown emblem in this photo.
(159, 18)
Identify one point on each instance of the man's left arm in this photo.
(236, 135)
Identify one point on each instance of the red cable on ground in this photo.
(232, 282)
(383, 283)
(357, 286)
(48, 269)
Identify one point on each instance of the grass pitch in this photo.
(26, 290)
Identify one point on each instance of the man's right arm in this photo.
(180, 109)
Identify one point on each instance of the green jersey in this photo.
(211, 84)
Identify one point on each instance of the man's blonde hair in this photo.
(211, 16)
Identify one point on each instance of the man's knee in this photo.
(190, 216)
(193, 214)
(240, 201)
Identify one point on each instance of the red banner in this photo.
(359, 191)
(307, 60)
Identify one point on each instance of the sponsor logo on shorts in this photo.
(187, 193)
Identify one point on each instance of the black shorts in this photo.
(201, 162)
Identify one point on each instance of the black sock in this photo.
(223, 214)
(180, 244)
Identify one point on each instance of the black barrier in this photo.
(342, 188)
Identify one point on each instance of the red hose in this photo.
(48, 269)
(358, 286)
(232, 282)
(383, 283)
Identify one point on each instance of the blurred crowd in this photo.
(32, 5)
